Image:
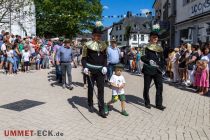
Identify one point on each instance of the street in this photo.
(187, 116)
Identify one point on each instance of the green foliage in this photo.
(66, 17)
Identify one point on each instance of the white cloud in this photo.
(144, 11)
(105, 7)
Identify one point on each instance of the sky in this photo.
(120, 7)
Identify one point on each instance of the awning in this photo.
(195, 18)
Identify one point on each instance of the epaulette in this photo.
(96, 46)
(155, 48)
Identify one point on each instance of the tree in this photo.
(66, 17)
(12, 10)
(128, 34)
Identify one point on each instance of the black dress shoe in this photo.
(71, 88)
(102, 114)
(91, 109)
(148, 106)
(161, 107)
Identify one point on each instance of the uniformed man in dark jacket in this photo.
(152, 69)
(94, 61)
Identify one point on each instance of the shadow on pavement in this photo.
(135, 101)
(81, 101)
(111, 108)
(181, 87)
(55, 81)
(78, 84)
(52, 77)
(52, 72)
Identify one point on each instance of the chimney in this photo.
(129, 14)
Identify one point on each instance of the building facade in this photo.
(165, 15)
(139, 35)
(192, 21)
(106, 35)
(21, 22)
(82, 37)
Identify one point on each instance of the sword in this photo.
(152, 85)
(158, 68)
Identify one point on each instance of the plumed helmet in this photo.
(98, 28)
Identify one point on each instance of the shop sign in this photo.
(200, 7)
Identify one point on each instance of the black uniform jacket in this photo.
(156, 57)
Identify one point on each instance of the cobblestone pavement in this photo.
(187, 116)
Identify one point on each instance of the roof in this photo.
(120, 22)
(139, 21)
(154, 3)
(107, 28)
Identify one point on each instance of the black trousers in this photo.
(85, 77)
(99, 78)
(159, 88)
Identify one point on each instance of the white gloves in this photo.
(104, 70)
(153, 63)
(86, 71)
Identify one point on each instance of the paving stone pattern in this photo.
(187, 116)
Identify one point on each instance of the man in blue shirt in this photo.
(58, 67)
(113, 57)
(64, 58)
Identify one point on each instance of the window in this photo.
(120, 27)
(125, 39)
(134, 38)
(185, 2)
(142, 37)
(116, 28)
(120, 37)
(116, 37)
(135, 26)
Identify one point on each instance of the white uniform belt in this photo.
(94, 66)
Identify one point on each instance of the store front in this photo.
(195, 28)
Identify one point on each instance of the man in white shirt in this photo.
(113, 57)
